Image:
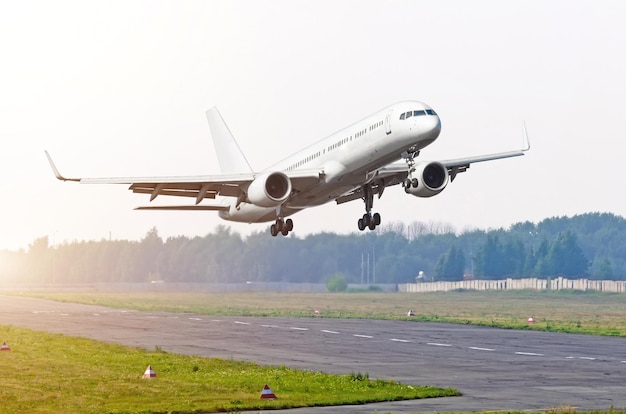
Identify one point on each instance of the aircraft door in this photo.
(388, 123)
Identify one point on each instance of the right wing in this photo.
(396, 173)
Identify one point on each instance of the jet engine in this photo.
(269, 189)
(427, 179)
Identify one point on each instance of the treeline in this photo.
(589, 245)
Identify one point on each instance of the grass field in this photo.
(45, 373)
(563, 311)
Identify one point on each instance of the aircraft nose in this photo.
(433, 128)
(437, 127)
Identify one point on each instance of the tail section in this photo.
(229, 155)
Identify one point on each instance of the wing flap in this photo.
(176, 193)
(388, 176)
(203, 207)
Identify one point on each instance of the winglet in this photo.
(526, 146)
(229, 155)
(56, 171)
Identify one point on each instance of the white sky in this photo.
(119, 88)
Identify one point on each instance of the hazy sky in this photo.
(119, 88)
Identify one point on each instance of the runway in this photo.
(495, 369)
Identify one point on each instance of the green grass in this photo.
(46, 373)
(564, 311)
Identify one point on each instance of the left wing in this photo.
(199, 187)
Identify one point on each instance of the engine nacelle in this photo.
(269, 189)
(427, 180)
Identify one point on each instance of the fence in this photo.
(559, 283)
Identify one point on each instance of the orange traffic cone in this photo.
(267, 393)
(149, 373)
(4, 347)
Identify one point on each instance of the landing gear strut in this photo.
(281, 226)
(368, 220)
(409, 156)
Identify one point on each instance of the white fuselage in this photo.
(349, 158)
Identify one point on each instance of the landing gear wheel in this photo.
(282, 227)
(372, 225)
(361, 224)
(376, 219)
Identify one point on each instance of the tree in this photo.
(451, 265)
(605, 270)
(40, 265)
(489, 262)
(337, 283)
(565, 257)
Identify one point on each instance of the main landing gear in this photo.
(281, 226)
(368, 220)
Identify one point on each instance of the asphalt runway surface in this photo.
(495, 369)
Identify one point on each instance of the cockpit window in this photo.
(422, 112)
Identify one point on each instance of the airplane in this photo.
(357, 162)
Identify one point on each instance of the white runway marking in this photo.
(299, 329)
(96, 314)
(437, 344)
(242, 323)
(65, 314)
(330, 332)
(216, 320)
(475, 348)
(270, 326)
(400, 340)
(587, 358)
(195, 319)
(363, 336)
(528, 354)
